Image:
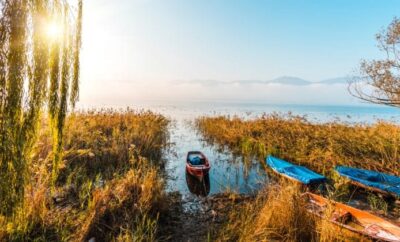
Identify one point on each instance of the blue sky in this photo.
(141, 44)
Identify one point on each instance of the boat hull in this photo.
(372, 180)
(345, 216)
(198, 172)
(293, 172)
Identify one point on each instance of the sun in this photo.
(54, 30)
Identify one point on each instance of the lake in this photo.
(228, 172)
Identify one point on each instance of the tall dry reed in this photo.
(319, 146)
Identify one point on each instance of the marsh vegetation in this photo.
(278, 212)
(319, 146)
(111, 183)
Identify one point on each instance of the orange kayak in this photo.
(354, 219)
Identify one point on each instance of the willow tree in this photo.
(379, 80)
(40, 42)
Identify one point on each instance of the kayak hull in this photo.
(372, 180)
(294, 172)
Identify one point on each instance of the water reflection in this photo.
(200, 187)
(228, 172)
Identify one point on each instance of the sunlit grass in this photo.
(278, 213)
(318, 146)
(110, 186)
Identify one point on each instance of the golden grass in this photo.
(122, 206)
(110, 185)
(278, 213)
(318, 146)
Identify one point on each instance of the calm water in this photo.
(316, 113)
(228, 172)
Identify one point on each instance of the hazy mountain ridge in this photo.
(283, 80)
(289, 80)
(289, 90)
(338, 80)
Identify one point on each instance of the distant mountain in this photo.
(283, 80)
(248, 82)
(289, 80)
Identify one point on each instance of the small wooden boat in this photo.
(353, 219)
(197, 164)
(294, 172)
(372, 180)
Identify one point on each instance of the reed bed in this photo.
(111, 182)
(319, 146)
(278, 213)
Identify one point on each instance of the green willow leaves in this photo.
(40, 43)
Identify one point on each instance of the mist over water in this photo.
(189, 110)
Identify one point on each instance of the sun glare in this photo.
(54, 30)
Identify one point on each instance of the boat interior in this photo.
(196, 159)
(337, 215)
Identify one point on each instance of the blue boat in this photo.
(294, 172)
(372, 180)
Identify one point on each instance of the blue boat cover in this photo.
(196, 159)
(382, 181)
(299, 173)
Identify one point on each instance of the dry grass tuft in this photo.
(278, 213)
(123, 205)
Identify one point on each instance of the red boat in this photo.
(197, 164)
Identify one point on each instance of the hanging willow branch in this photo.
(15, 18)
(47, 65)
(63, 94)
(78, 42)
